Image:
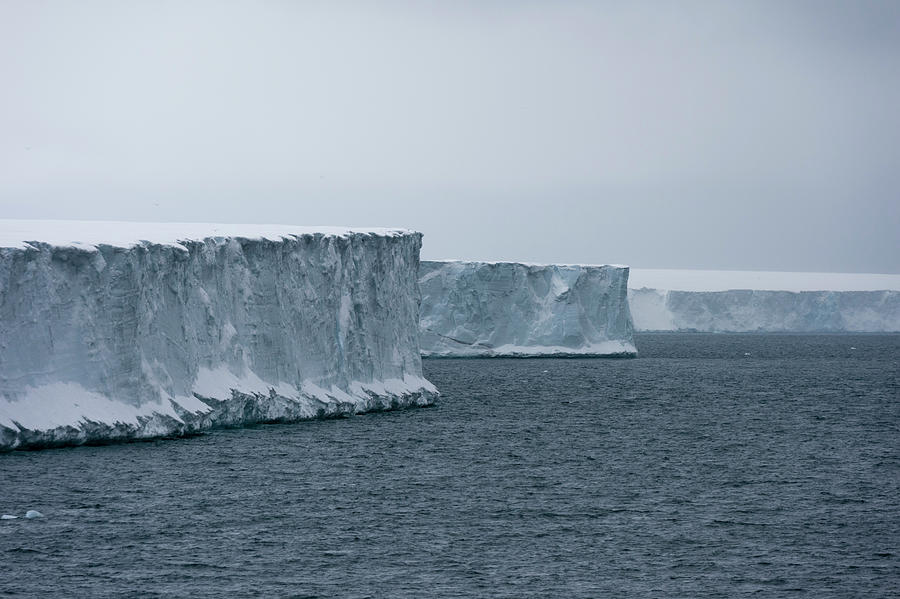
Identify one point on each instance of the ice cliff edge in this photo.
(508, 309)
(116, 331)
(759, 301)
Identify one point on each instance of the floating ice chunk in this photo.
(8, 517)
(32, 514)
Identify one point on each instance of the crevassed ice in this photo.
(515, 309)
(173, 334)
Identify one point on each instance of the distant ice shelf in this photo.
(755, 301)
(508, 309)
(118, 331)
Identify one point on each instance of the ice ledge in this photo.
(609, 349)
(87, 235)
(65, 414)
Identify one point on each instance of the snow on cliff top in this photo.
(536, 264)
(724, 280)
(88, 234)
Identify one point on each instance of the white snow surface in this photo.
(90, 234)
(497, 309)
(159, 329)
(755, 301)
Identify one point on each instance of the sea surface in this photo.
(711, 466)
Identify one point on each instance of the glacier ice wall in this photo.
(511, 309)
(755, 310)
(149, 338)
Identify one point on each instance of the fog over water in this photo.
(757, 135)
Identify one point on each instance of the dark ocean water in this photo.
(694, 470)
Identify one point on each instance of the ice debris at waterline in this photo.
(29, 515)
(119, 331)
(499, 309)
(754, 301)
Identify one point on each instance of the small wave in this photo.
(25, 550)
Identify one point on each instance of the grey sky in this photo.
(756, 135)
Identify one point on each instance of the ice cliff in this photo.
(116, 331)
(747, 301)
(510, 309)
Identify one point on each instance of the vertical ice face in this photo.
(512, 309)
(736, 301)
(197, 326)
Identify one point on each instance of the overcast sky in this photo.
(756, 135)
